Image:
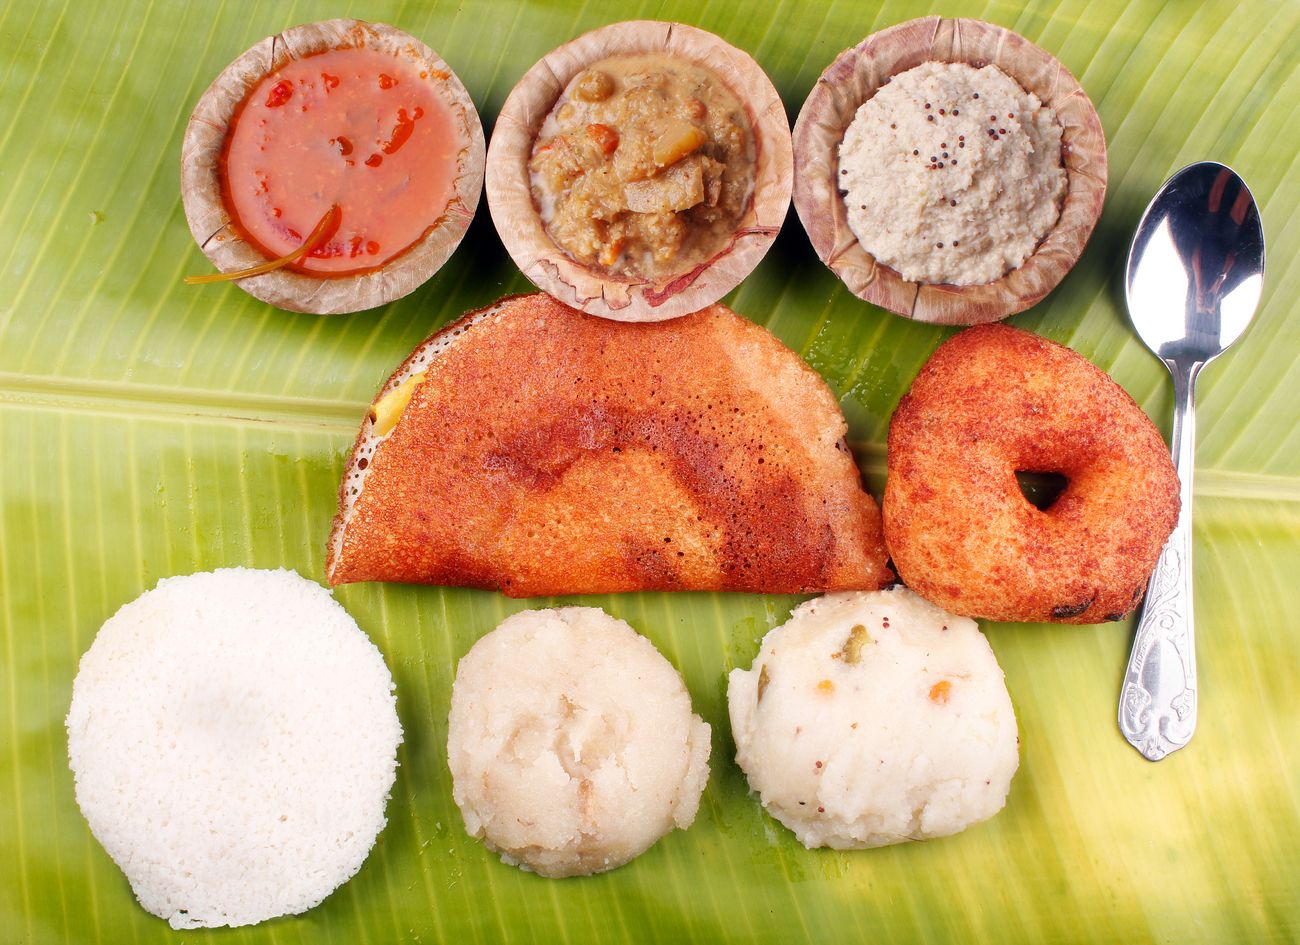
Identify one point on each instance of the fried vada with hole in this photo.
(994, 401)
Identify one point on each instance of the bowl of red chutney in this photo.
(333, 167)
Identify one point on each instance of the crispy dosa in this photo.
(550, 452)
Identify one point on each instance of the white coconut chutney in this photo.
(572, 743)
(952, 174)
(870, 718)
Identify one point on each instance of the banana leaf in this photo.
(151, 429)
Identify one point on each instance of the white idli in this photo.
(872, 718)
(571, 742)
(234, 737)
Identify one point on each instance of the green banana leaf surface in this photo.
(151, 429)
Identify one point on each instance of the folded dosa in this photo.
(549, 452)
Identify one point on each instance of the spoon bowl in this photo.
(1196, 267)
(1193, 282)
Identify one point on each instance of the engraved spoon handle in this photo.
(1157, 706)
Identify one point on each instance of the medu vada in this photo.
(993, 401)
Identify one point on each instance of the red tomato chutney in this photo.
(357, 128)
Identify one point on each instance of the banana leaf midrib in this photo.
(129, 400)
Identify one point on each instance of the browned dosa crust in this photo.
(551, 452)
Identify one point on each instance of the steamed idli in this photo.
(571, 742)
(234, 737)
(870, 718)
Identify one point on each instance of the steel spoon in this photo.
(1195, 271)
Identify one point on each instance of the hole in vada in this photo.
(1041, 489)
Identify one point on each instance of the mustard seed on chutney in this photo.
(349, 163)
